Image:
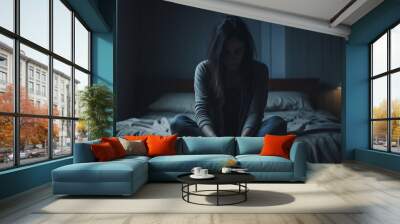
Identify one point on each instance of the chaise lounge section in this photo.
(125, 176)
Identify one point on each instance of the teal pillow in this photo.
(83, 152)
(207, 145)
(249, 145)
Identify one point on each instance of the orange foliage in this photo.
(380, 127)
(33, 130)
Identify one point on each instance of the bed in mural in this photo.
(318, 128)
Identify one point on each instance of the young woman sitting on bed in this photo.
(230, 89)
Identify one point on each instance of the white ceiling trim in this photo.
(268, 15)
(348, 12)
(361, 11)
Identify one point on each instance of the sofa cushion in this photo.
(207, 145)
(185, 163)
(111, 171)
(116, 145)
(103, 152)
(257, 163)
(132, 158)
(277, 145)
(83, 152)
(249, 145)
(161, 145)
(135, 147)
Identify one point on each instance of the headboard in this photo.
(186, 85)
(310, 86)
(321, 97)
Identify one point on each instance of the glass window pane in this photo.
(6, 74)
(379, 97)
(62, 89)
(395, 47)
(6, 142)
(379, 55)
(62, 29)
(33, 140)
(62, 138)
(7, 14)
(81, 45)
(81, 131)
(395, 132)
(81, 81)
(34, 21)
(395, 95)
(379, 135)
(34, 96)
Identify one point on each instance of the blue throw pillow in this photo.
(207, 145)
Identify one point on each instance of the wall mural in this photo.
(203, 73)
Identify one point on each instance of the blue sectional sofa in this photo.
(125, 176)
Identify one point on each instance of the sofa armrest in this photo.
(298, 155)
(83, 152)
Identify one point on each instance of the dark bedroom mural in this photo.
(194, 72)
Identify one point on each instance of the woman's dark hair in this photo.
(231, 27)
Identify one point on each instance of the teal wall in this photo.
(99, 15)
(24, 178)
(102, 58)
(356, 88)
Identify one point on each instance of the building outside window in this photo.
(30, 72)
(3, 72)
(58, 128)
(3, 60)
(37, 74)
(30, 87)
(38, 89)
(44, 77)
(43, 90)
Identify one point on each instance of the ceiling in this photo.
(321, 9)
(333, 17)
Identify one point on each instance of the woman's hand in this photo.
(246, 132)
(208, 131)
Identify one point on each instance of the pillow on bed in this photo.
(174, 102)
(287, 100)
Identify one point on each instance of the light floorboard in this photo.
(353, 182)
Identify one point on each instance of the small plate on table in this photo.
(208, 176)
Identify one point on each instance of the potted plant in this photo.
(96, 103)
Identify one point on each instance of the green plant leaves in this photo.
(96, 102)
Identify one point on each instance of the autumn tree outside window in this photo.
(44, 64)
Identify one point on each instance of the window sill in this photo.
(25, 167)
(382, 159)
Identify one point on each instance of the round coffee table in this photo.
(238, 179)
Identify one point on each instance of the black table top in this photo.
(220, 178)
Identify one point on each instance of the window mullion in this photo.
(73, 82)
(389, 76)
(50, 81)
(16, 70)
(18, 58)
(371, 89)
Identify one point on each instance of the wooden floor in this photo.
(378, 188)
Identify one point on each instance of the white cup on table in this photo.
(203, 172)
(196, 171)
(226, 170)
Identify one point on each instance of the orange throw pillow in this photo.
(116, 145)
(277, 145)
(161, 145)
(103, 152)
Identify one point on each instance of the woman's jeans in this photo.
(185, 126)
